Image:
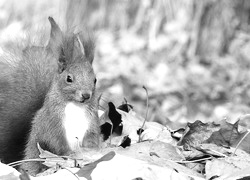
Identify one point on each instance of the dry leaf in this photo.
(8, 173)
(53, 160)
(196, 133)
(227, 167)
(123, 168)
(166, 151)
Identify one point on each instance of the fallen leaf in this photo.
(123, 168)
(226, 136)
(87, 170)
(229, 135)
(245, 121)
(52, 160)
(196, 133)
(125, 107)
(166, 151)
(227, 167)
(125, 142)
(115, 118)
(157, 132)
(8, 173)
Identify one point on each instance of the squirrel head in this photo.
(75, 79)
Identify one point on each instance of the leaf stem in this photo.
(146, 116)
(241, 141)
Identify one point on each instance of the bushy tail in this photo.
(25, 77)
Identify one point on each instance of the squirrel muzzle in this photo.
(83, 96)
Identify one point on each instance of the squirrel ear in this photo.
(78, 46)
(85, 46)
(55, 40)
(62, 62)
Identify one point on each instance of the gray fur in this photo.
(33, 94)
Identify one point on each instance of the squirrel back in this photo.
(47, 96)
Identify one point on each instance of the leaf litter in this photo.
(200, 150)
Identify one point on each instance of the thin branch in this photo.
(241, 141)
(197, 160)
(70, 172)
(146, 116)
(16, 163)
(111, 130)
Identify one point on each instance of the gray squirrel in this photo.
(48, 96)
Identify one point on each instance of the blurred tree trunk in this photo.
(215, 26)
(242, 11)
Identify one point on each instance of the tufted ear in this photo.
(84, 46)
(62, 63)
(56, 37)
(78, 49)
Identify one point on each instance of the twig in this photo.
(125, 100)
(197, 160)
(16, 163)
(241, 141)
(101, 107)
(221, 154)
(70, 172)
(111, 130)
(145, 116)
(24, 175)
(103, 99)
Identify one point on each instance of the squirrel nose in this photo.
(85, 97)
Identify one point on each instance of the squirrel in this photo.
(48, 97)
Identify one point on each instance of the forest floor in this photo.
(166, 48)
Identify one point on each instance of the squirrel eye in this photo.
(69, 79)
(95, 81)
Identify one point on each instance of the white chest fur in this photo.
(76, 123)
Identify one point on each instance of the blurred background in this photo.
(192, 55)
